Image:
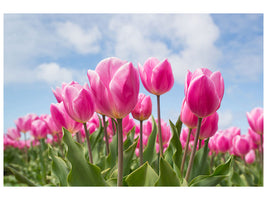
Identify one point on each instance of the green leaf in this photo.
(127, 158)
(142, 176)
(150, 150)
(130, 139)
(178, 126)
(221, 172)
(82, 172)
(167, 176)
(112, 157)
(59, 168)
(20, 177)
(201, 165)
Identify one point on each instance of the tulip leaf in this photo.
(150, 150)
(220, 173)
(20, 177)
(129, 140)
(200, 164)
(142, 176)
(82, 173)
(59, 168)
(111, 159)
(167, 176)
(127, 158)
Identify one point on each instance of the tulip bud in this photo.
(143, 108)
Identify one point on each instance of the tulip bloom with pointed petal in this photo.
(255, 120)
(204, 91)
(39, 129)
(143, 108)
(241, 145)
(78, 102)
(62, 119)
(58, 92)
(24, 123)
(156, 76)
(52, 127)
(250, 157)
(115, 87)
(13, 134)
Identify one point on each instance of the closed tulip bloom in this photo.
(58, 92)
(13, 134)
(39, 129)
(241, 145)
(156, 76)
(255, 120)
(115, 87)
(209, 127)
(24, 123)
(187, 117)
(223, 143)
(143, 108)
(62, 119)
(78, 102)
(204, 91)
(250, 157)
(255, 137)
(52, 127)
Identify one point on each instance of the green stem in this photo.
(199, 143)
(78, 137)
(185, 151)
(192, 156)
(88, 143)
(120, 153)
(141, 143)
(159, 127)
(106, 134)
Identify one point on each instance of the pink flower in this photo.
(241, 145)
(166, 134)
(58, 92)
(13, 134)
(24, 123)
(223, 143)
(184, 134)
(78, 102)
(39, 129)
(255, 137)
(255, 120)
(156, 76)
(187, 117)
(143, 108)
(91, 125)
(204, 91)
(62, 119)
(52, 127)
(115, 87)
(250, 157)
(209, 127)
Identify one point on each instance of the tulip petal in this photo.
(201, 97)
(217, 79)
(69, 93)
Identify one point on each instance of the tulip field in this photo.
(103, 134)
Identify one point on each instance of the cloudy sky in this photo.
(43, 50)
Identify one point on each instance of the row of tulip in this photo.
(114, 93)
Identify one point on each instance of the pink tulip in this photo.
(24, 123)
(39, 129)
(115, 87)
(223, 143)
(184, 134)
(143, 108)
(204, 91)
(78, 102)
(52, 127)
(209, 127)
(91, 125)
(58, 92)
(241, 145)
(13, 134)
(166, 134)
(255, 120)
(156, 76)
(256, 138)
(62, 119)
(187, 117)
(250, 157)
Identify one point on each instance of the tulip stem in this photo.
(192, 156)
(78, 137)
(88, 143)
(120, 153)
(141, 143)
(106, 134)
(199, 143)
(185, 151)
(159, 127)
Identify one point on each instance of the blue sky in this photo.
(43, 50)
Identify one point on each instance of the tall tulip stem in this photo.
(106, 134)
(88, 143)
(120, 153)
(185, 150)
(192, 156)
(159, 127)
(141, 143)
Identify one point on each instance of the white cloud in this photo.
(187, 40)
(84, 41)
(225, 119)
